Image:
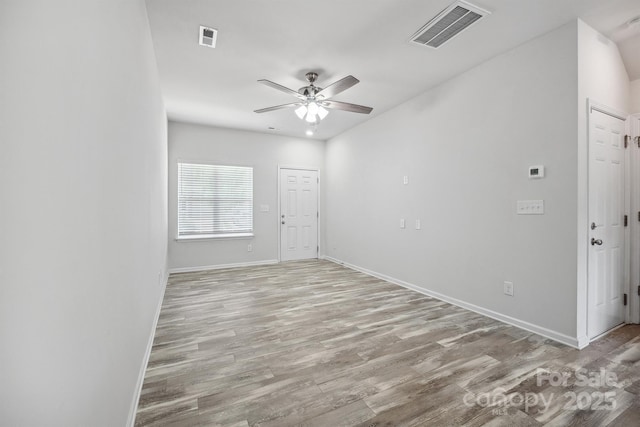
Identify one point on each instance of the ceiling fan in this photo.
(313, 101)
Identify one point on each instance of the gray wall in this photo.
(232, 147)
(466, 147)
(83, 209)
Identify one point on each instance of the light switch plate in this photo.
(264, 208)
(402, 223)
(405, 179)
(530, 207)
(418, 224)
(508, 288)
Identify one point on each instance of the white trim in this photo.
(583, 341)
(210, 162)
(634, 166)
(143, 369)
(629, 213)
(197, 238)
(221, 266)
(605, 109)
(547, 333)
(299, 168)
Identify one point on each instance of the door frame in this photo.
(633, 129)
(302, 168)
(628, 203)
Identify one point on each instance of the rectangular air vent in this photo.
(449, 23)
(208, 36)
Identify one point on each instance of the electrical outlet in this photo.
(508, 288)
(405, 179)
(249, 247)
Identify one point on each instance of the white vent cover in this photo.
(208, 36)
(449, 23)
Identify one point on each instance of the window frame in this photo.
(216, 236)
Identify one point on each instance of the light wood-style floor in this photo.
(313, 343)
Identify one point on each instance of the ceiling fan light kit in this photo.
(311, 112)
(313, 102)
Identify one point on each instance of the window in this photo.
(214, 201)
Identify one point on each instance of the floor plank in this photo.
(313, 343)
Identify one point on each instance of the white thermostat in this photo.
(536, 172)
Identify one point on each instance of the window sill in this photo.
(214, 237)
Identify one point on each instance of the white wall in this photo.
(466, 147)
(635, 97)
(264, 153)
(83, 214)
(602, 78)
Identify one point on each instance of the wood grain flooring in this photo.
(313, 343)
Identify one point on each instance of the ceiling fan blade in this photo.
(283, 89)
(337, 87)
(354, 108)
(278, 107)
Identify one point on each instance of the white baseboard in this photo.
(143, 369)
(221, 266)
(547, 333)
(583, 341)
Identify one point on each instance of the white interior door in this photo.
(298, 214)
(606, 222)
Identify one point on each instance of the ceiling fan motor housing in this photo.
(311, 90)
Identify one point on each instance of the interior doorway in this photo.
(607, 278)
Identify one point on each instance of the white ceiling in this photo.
(280, 40)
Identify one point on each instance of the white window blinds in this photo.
(214, 200)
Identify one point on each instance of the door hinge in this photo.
(638, 141)
(639, 216)
(318, 215)
(638, 290)
(626, 140)
(626, 220)
(625, 299)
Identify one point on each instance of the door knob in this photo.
(593, 225)
(596, 241)
(283, 222)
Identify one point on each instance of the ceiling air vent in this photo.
(449, 23)
(208, 36)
